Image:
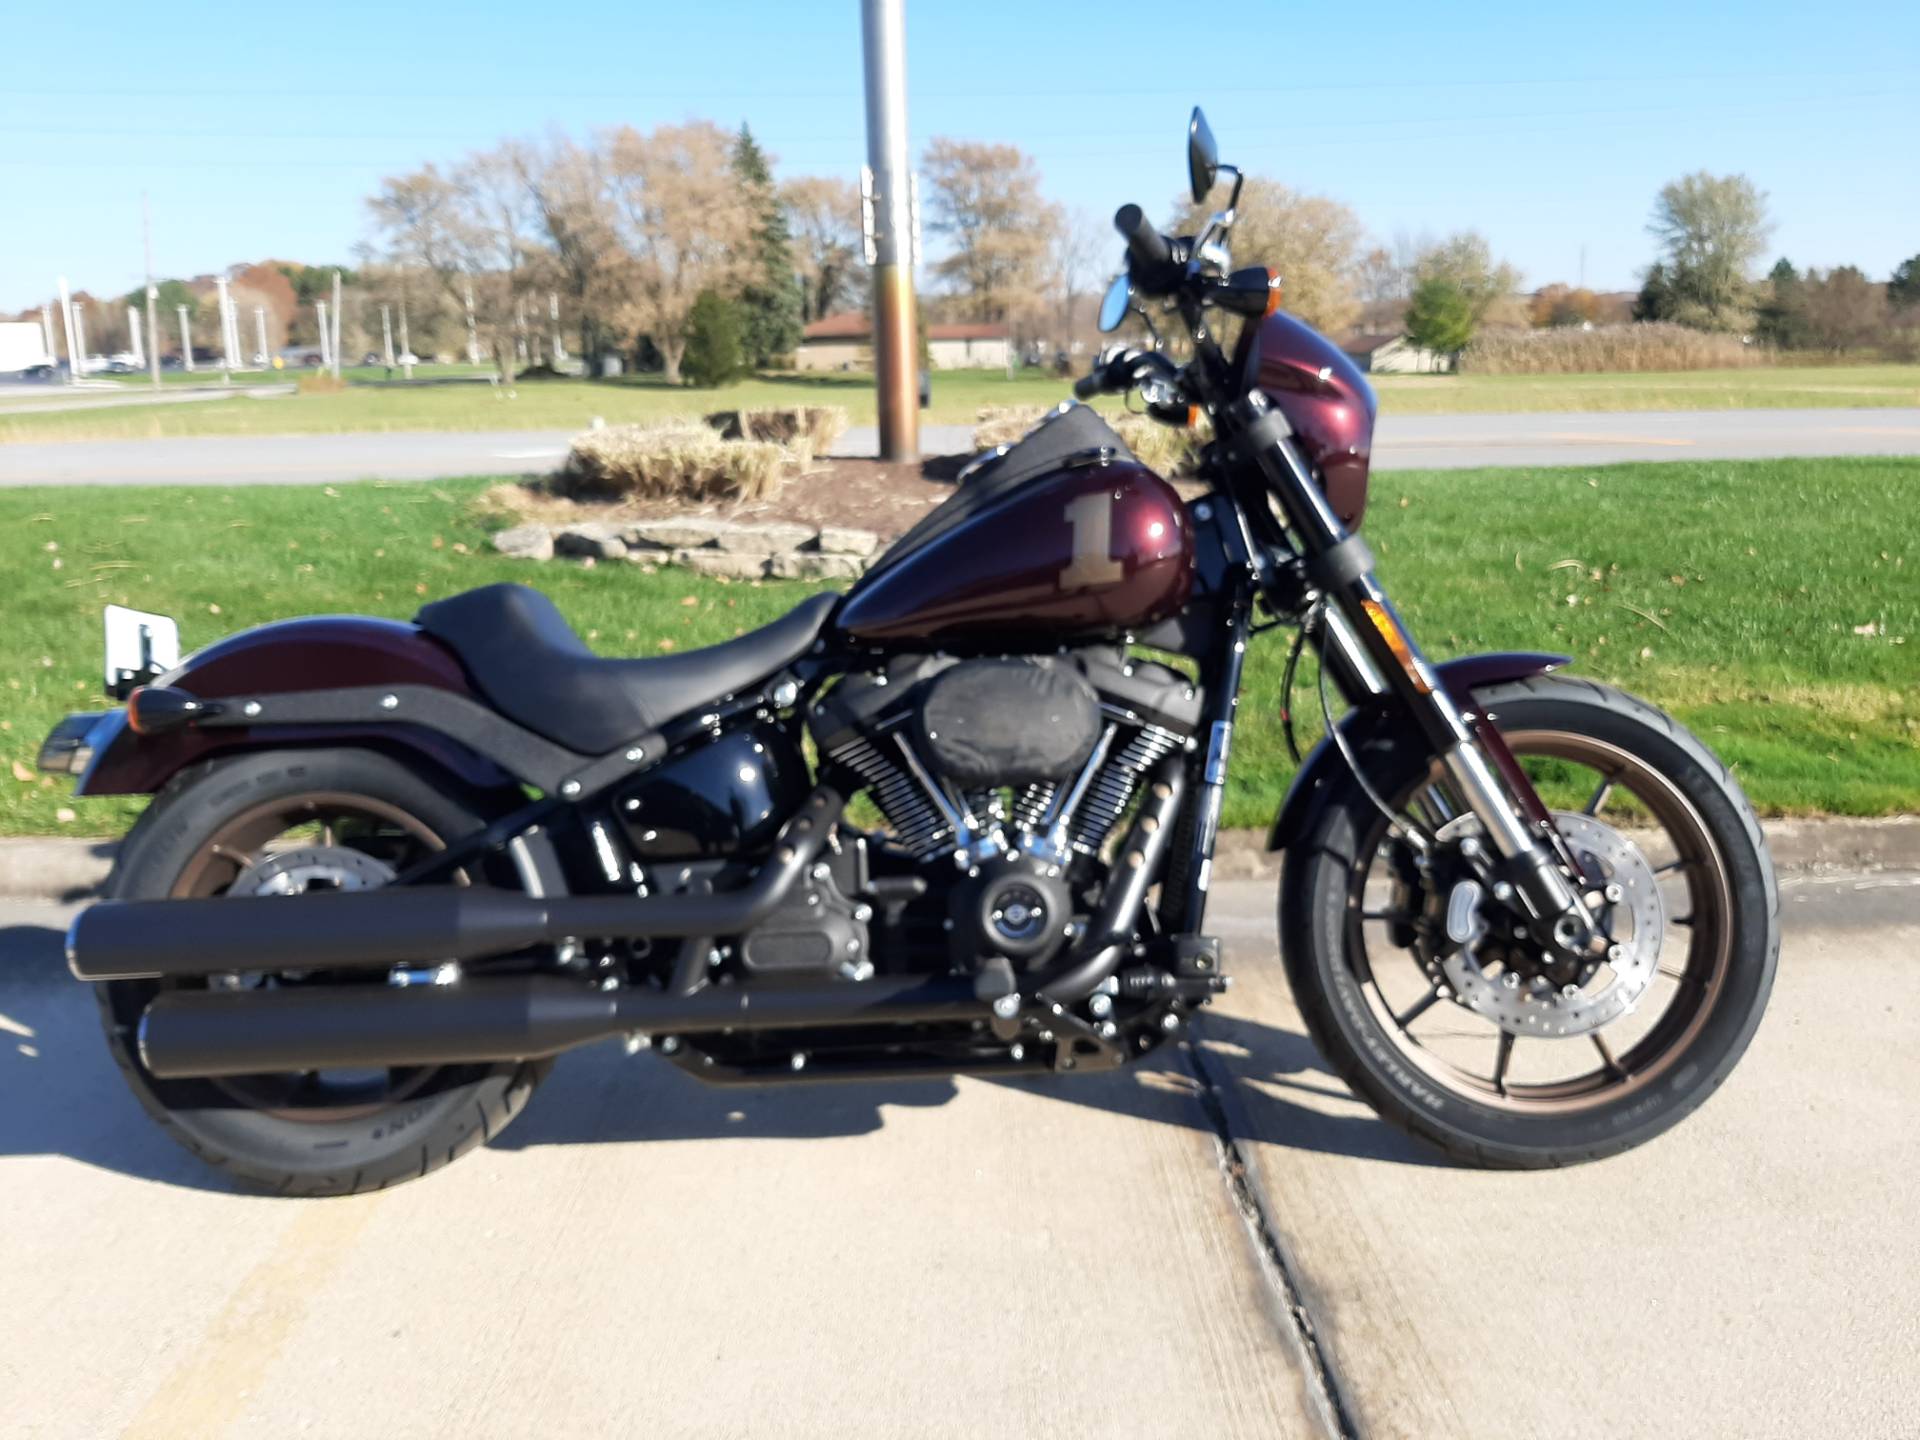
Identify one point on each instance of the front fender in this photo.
(330, 652)
(1324, 766)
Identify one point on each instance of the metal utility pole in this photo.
(186, 339)
(386, 333)
(80, 331)
(553, 314)
(226, 331)
(46, 331)
(260, 335)
(406, 346)
(890, 246)
(336, 324)
(326, 335)
(153, 294)
(473, 331)
(66, 323)
(133, 334)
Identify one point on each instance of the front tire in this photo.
(1341, 968)
(303, 1135)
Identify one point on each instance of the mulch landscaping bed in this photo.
(874, 495)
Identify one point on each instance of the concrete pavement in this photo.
(638, 1254)
(1410, 442)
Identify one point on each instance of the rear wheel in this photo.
(290, 822)
(1489, 1049)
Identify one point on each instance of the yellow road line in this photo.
(208, 1389)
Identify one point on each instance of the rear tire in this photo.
(438, 1117)
(1335, 985)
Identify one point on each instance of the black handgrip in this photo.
(1145, 244)
(1087, 386)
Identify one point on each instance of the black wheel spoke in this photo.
(1611, 1065)
(1501, 1057)
(1685, 922)
(1403, 916)
(1682, 863)
(1419, 1007)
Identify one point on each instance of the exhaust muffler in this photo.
(374, 929)
(194, 1033)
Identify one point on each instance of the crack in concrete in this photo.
(1324, 1387)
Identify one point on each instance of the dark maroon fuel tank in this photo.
(1325, 398)
(1088, 545)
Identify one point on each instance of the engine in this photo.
(1001, 779)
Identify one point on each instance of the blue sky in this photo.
(258, 130)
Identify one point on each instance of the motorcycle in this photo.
(391, 871)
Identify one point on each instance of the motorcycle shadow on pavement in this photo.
(60, 1093)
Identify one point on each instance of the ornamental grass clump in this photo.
(806, 430)
(670, 460)
(1164, 449)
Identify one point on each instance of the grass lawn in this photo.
(530, 405)
(957, 398)
(1783, 387)
(1732, 593)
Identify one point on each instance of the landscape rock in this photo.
(525, 542)
(721, 562)
(762, 539)
(675, 534)
(593, 541)
(811, 565)
(835, 540)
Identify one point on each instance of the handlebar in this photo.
(1146, 245)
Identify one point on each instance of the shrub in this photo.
(675, 460)
(714, 329)
(1651, 346)
(321, 383)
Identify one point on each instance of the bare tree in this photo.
(1843, 309)
(986, 200)
(825, 217)
(473, 227)
(683, 222)
(567, 187)
(1081, 250)
(1314, 243)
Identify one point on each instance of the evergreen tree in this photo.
(1782, 321)
(1904, 288)
(770, 302)
(714, 330)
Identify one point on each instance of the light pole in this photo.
(884, 32)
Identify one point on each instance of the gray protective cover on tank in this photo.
(1008, 722)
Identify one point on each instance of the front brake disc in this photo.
(1635, 924)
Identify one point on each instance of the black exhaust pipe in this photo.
(374, 929)
(193, 1033)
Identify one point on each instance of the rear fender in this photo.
(334, 652)
(1324, 769)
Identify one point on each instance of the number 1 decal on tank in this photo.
(1089, 550)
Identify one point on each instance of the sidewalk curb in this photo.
(53, 869)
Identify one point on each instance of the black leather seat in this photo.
(526, 660)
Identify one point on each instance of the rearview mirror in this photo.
(1113, 309)
(1203, 156)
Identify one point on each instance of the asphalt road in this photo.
(1415, 442)
(638, 1255)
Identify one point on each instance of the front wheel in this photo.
(290, 822)
(1487, 1049)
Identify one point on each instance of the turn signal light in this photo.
(162, 709)
(1273, 291)
(1396, 639)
